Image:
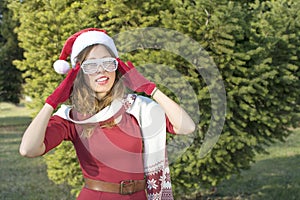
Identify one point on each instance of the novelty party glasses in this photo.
(92, 66)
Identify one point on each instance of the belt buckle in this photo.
(127, 183)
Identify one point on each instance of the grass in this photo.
(22, 178)
(275, 176)
(11, 115)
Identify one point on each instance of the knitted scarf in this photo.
(151, 119)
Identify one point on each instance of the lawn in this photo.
(22, 178)
(275, 176)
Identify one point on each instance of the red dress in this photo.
(111, 154)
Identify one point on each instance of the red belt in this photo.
(125, 187)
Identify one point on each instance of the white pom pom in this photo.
(61, 66)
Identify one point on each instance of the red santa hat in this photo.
(79, 41)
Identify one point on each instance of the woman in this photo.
(119, 139)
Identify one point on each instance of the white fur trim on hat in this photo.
(61, 66)
(89, 38)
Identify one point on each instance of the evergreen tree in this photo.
(42, 34)
(10, 76)
(255, 47)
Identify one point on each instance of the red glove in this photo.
(63, 91)
(133, 79)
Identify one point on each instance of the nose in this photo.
(100, 69)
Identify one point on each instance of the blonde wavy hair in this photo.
(84, 99)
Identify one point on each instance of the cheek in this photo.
(113, 76)
(88, 81)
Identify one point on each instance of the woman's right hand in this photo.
(63, 91)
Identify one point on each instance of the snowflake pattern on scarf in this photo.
(158, 180)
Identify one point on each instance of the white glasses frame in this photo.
(110, 66)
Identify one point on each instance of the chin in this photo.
(101, 93)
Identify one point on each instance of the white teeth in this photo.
(102, 79)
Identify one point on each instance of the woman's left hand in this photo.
(133, 79)
(181, 121)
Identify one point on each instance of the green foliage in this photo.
(64, 158)
(10, 76)
(255, 47)
(254, 44)
(42, 34)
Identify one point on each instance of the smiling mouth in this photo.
(102, 80)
